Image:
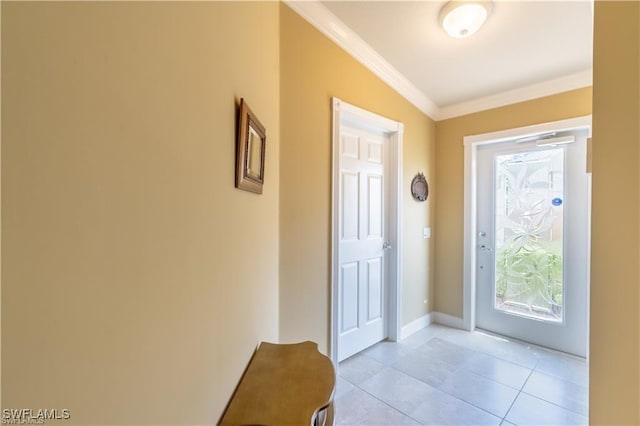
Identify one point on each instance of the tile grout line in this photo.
(389, 405)
(457, 397)
(504, 419)
(391, 361)
(551, 402)
(556, 404)
(435, 388)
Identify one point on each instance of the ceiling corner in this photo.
(331, 26)
(318, 15)
(522, 94)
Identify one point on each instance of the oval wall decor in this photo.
(419, 187)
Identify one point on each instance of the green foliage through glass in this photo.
(529, 269)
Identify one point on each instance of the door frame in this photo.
(471, 144)
(344, 113)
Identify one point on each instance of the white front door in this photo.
(362, 229)
(532, 261)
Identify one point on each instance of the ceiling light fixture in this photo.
(461, 18)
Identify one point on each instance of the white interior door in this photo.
(362, 274)
(533, 206)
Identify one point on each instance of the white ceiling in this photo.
(526, 49)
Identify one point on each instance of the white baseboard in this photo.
(430, 318)
(415, 326)
(448, 320)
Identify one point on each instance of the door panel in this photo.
(362, 261)
(349, 297)
(533, 242)
(375, 287)
(375, 195)
(349, 209)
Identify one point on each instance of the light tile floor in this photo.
(444, 376)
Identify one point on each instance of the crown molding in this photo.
(331, 26)
(527, 93)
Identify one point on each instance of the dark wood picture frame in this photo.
(250, 151)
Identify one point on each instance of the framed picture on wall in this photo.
(250, 151)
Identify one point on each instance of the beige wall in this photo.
(126, 292)
(136, 279)
(450, 177)
(313, 70)
(615, 279)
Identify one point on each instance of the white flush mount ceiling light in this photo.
(461, 18)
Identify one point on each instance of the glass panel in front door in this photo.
(529, 193)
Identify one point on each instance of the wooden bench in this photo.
(284, 385)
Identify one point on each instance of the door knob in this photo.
(484, 248)
(386, 246)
